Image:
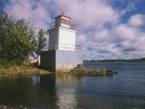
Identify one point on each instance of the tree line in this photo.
(117, 60)
(18, 40)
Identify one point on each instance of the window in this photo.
(64, 21)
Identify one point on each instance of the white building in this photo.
(62, 53)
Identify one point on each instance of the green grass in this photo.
(74, 72)
(9, 64)
(15, 63)
(38, 71)
(2, 72)
(30, 65)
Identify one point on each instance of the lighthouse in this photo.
(62, 53)
(62, 37)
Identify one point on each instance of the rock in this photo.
(115, 73)
(109, 72)
(5, 107)
(20, 74)
(20, 105)
(81, 70)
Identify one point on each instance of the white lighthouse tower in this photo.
(62, 37)
(62, 53)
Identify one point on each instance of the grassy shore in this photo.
(26, 69)
(14, 69)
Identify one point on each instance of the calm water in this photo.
(124, 90)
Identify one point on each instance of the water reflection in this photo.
(16, 91)
(68, 91)
(47, 91)
(39, 91)
(36, 91)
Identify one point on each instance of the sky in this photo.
(106, 29)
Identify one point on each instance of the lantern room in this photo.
(63, 21)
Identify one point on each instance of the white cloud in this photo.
(23, 9)
(14, 8)
(87, 14)
(130, 7)
(122, 41)
(129, 43)
(136, 20)
(123, 32)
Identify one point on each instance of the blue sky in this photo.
(107, 29)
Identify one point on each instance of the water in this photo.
(124, 90)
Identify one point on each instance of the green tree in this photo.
(41, 43)
(17, 39)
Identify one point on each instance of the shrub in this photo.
(8, 64)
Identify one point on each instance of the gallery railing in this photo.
(66, 47)
(52, 25)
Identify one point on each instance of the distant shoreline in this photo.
(142, 60)
(114, 62)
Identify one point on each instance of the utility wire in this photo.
(26, 8)
(2, 0)
(31, 11)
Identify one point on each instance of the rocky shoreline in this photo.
(78, 70)
(81, 70)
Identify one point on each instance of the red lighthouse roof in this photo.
(62, 15)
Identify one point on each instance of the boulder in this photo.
(81, 70)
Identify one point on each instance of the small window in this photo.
(64, 21)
